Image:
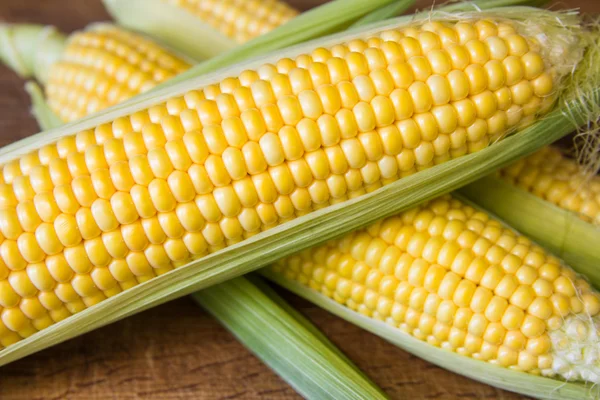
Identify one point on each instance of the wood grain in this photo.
(177, 351)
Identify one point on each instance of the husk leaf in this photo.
(30, 49)
(40, 109)
(286, 341)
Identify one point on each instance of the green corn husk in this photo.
(397, 8)
(306, 231)
(559, 230)
(39, 108)
(174, 25)
(453, 6)
(500, 377)
(30, 49)
(157, 18)
(286, 341)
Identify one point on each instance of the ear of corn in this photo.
(561, 230)
(448, 283)
(239, 21)
(286, 341)
(30, 49)
(103, 66)
(173, 25)
(257, 250)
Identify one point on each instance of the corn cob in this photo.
(550, 175)
(106, 258)
(239, 20)
(103, 66)
(103, 210)
(453, 277)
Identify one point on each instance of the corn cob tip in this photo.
(576, 349)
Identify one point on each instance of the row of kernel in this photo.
(560, 180)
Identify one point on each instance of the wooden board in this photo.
(177, 351)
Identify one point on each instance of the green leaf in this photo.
(286, 341)
(504, 378)
(41, 111)
(176, 27)
(384, 12)
(30, 49)
(397, 8)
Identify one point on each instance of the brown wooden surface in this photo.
(177, 351)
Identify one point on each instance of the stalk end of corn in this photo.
(30, 49)
(42, 112)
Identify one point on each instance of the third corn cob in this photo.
(452, 276)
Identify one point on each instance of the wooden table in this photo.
(178, 351)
